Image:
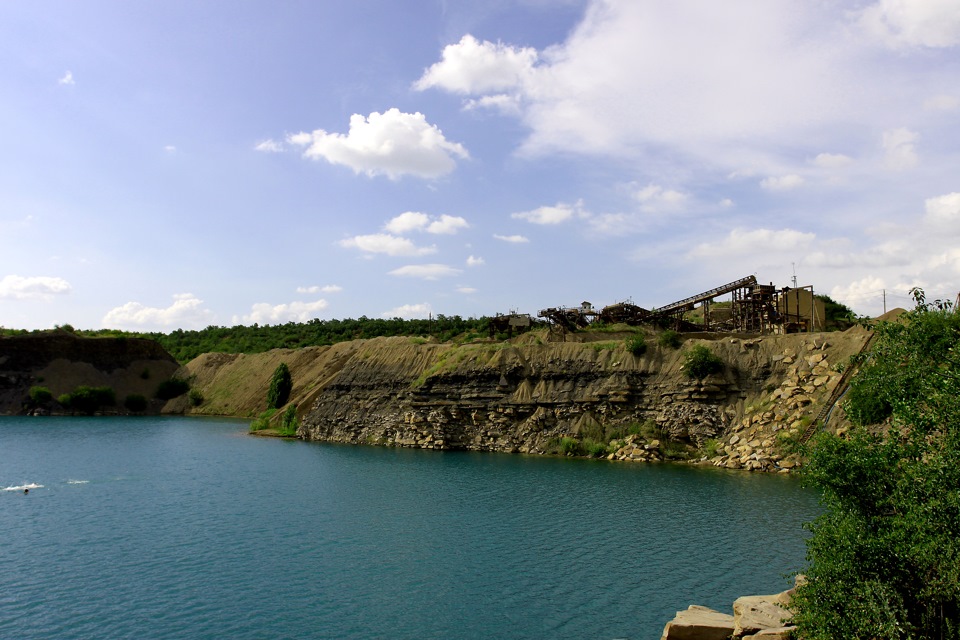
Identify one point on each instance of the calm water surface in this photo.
(189, 528)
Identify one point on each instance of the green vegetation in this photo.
(135, 403)
(669, 339)
(196, 397)
(263, 420)
(280, 386)
(700, 362)
(637, 345)
(88, 400)
(711, 448)
(40, 395)
(172, 388)
(884, 556)
(289, 422)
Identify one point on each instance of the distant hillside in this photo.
(61, 361)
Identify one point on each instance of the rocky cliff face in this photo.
(62, 361)
(524, 395)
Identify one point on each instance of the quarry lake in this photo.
(190, 528)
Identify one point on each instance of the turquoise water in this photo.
(189, 528)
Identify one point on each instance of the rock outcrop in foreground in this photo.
(754, 618)
(527, 394)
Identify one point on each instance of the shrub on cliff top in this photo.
(637, 345)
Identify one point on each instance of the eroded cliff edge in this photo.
(526, 394)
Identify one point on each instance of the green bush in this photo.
(280, 386)
(637, 345)
(669, 338)
(172, 388)
(40, 395)
(884, 555)
(135, 403)
(288, 421)
(263, 420)
(88, 400)
(701, 362)
(196, 397)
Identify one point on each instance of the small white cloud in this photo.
(942, 103)
(471, 67)
(832, 160)
(447, 225)
(408, 311)
(654, 198)
(475, 261)
(551, 215)
(170, 148)
(265, 313)
(425, 271)
(406, 222)
(739, 242)
(781, 183)
(385, 243)
(392, 144)
(900, 149)
(416, 221)
(32, 288)
(186, 311)
(466, 290)
(944, 211)
(269, 146)
(67, 78)
(331, 288)
(726, 203)
(513, 239)
(923, 23)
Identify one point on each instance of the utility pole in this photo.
(794, 265)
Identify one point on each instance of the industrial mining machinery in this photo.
(753, 308)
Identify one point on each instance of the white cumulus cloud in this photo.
(392, 143)
(186, 311)
(417, 221)
(15, 287)
(386, 243)
(425, 271)
(475, 261)
(654, 198)
(561, 212)
(944, 211)
(472, 67)
(408, 311)
(265, 313)
(924, 23)
(67, 78)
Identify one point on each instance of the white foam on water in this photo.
(78, 482)
(32, 485)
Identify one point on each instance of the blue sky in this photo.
(183, 164)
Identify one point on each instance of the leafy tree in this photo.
(669, 338)
(280, 386)
(885, 556)
(701, 362)
(838, 315)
